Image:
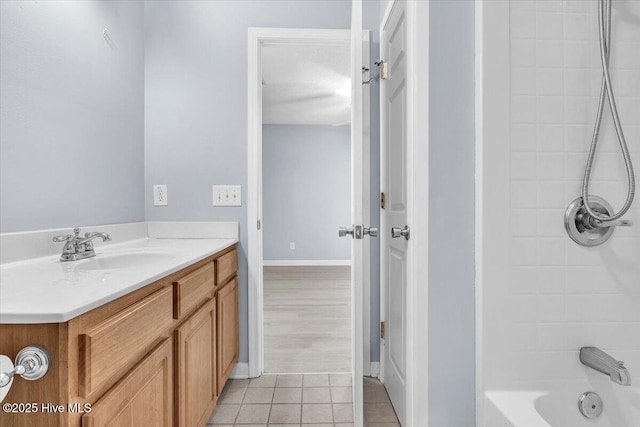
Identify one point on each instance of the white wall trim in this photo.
(240, 372)
(479, 29)
(306, 262)
(359, 160)
(254, 202)
(418, 213)
(374, 370)
(493, 104)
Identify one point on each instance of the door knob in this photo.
(357, 231)
(400, 232)
(343, 231)
(372, 231)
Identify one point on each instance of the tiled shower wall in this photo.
(561, 296)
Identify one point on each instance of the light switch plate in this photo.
(227, 195)
(160, 196)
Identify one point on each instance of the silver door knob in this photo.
(372, 231)
(343, 231)
(400, 232)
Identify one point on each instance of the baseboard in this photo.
(302, 262)
(374, 370)
(240, 372)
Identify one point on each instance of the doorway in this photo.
(259, 38)
(306, 175)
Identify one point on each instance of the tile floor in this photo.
(319, 400)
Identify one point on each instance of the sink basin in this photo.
(123, 260)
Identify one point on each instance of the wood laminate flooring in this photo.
(307, 319)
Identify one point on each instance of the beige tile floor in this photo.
(307, 321)
(319, 400)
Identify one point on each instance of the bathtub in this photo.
(559, 408)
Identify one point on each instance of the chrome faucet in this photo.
(77, 247)
(600, 361)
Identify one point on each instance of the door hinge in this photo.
(383, 203)
(383, 330)
(259, 225)
(383, 68)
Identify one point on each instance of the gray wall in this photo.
(451, 225)
(196, 103)
(306, 175)
(371, 17)
(71, 109)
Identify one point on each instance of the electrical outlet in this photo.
(227, 195)
(292, 246)
(160, 197)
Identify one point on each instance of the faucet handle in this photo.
(67, 237)
(614, 223)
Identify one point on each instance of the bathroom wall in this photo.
(196, 108)
(371, 18)
(306, 173)
(542, 295)
(451, 213)
(71, 108)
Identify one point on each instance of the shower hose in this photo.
(606, 90)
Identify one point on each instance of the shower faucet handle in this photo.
(616, 223)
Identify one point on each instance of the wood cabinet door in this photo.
(144, 397)
(227, 331)
(196, 367)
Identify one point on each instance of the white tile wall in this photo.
(561, 296)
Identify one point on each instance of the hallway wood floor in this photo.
(307, 319)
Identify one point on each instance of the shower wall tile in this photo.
(562, 296)
(523, 138)
(550, 137)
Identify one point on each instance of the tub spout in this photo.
(600, 361)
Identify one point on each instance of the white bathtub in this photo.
(559, 408)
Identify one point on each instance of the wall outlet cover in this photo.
(160, 196)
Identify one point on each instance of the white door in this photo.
(394, 215)
(359, 213)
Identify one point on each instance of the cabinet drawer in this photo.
(142, 398)
(192, 290)
(226, 266)
(111, 347)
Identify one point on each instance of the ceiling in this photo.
(306, 84)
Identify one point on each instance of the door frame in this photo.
(417, 351)
(257, 37)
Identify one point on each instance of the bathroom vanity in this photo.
(157, 355)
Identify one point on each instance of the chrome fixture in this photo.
(600, 361)
(343, 231)
(590, 405)
(400, 232)
(358, 231)
(77, 247)
(586, 230)
(32, 363)
(590, 211)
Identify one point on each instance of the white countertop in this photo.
(45, 290)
